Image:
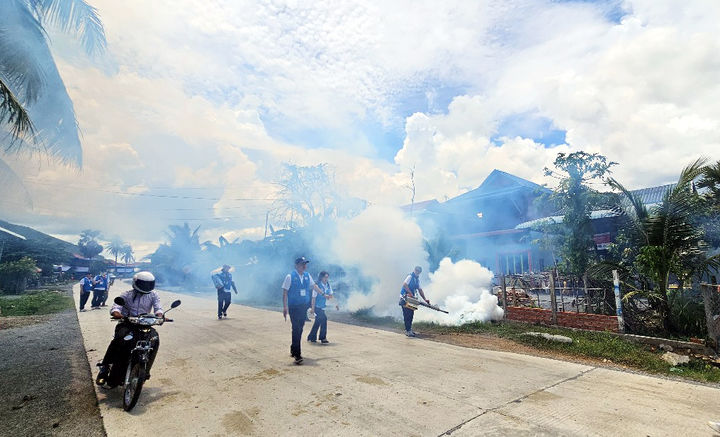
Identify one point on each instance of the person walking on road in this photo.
(410, 287)
(297, 287)
(99, 291)
(223, 281)
(86, 286)
(319, 300)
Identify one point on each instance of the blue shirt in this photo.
(86, 284)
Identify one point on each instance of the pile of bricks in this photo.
(593, 322)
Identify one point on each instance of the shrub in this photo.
(14, 275)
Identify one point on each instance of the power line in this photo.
(161, 196)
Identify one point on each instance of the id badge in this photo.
(302, 292)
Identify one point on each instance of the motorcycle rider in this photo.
(140, 300)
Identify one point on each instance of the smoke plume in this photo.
(385, 246)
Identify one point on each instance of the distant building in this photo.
(496, 223)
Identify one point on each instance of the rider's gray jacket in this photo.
(137, 303)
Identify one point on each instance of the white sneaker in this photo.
(715, 426)
(410, 333)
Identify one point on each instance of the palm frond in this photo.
(20, 64)
(74, 17)
(14, 114)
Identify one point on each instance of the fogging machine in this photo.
(412, 303)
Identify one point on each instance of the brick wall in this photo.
(594, 322)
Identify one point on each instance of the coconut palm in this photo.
(36, 113)
(666, 238)
(115, 248)
(127, 254)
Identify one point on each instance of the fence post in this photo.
(711, 301)
(618, 301)
(585, 290)
(504, 295)
(553, 300)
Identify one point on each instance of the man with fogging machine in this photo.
(223, 283)
(297, 289)
(410, 287)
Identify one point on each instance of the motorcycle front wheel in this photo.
(134, 380)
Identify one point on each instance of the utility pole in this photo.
(553, 299)
(618, 301)
(267, 215)
(504, 295)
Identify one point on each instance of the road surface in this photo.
(236, 377)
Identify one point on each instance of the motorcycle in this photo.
(132, 371)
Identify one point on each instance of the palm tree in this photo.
(115, 248)
(666, 238)
(127, 254)
(36, 113)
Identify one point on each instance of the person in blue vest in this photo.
(297, 289)
(223, 283)
(319, 300)
(410, 287)
(100, 291)
(86, 286)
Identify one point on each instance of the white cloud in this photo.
(198, 89)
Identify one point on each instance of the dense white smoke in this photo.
(385, 245)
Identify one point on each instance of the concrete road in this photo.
(236, 377)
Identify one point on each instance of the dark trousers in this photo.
(321, 323)
(223, 301)
(297, 320)
(97, 299)
(105, 296)
(408, 318)
(84, 296)
(119, 349)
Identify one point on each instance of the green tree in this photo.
(175, 260)
(575, 200)
(127, 254)
(14, 275)
(31, 90)
(88, 245)
(664, 239)
(115, 247)
(36, 114)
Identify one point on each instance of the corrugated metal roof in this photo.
(7, 231)
(652, 195)
(594, 215)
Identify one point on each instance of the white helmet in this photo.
(144, 282)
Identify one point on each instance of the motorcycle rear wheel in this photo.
(134, 380)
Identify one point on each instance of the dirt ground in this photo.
(46, 382)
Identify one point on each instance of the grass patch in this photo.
(586, 344)
(41, 302)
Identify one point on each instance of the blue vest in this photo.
(86, 284)
(295, 293)
(223, 280)
(413, 285)
(320, 300)
(101, 283)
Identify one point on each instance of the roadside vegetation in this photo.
(36, 302)
(602, 347)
